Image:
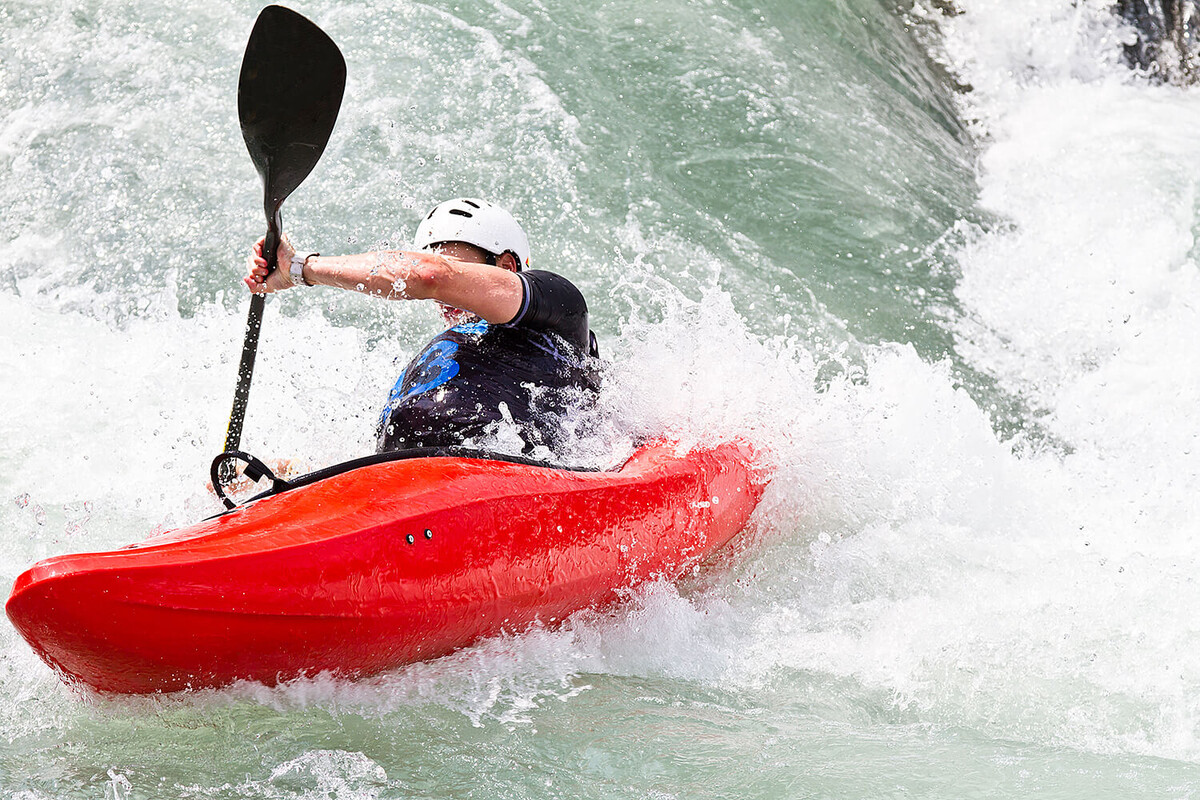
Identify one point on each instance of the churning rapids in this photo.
(941, 266)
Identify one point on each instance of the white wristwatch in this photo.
(296, 268)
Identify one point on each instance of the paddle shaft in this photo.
(241, 395)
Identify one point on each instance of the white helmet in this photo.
(477, 222)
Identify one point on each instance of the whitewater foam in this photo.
(1084, 299)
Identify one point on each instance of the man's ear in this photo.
(508, 261)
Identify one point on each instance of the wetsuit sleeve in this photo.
(553, 303)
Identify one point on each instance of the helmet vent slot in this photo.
(460, 212)
(471, 203)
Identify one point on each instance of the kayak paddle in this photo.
(289, 93)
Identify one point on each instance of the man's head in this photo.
(474, 230)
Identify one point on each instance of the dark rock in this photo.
(1168, 38)
(947, 7)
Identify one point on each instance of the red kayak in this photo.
(378, 563)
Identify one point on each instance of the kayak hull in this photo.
(377, 567)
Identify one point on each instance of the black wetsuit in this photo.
(531, 370)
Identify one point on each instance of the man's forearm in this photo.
(383, 274)
(492, 293)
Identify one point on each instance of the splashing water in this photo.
(966, 350)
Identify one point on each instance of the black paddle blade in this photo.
(289, 93)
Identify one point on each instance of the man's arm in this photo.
(492, 293)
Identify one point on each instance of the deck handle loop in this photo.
(255, 470)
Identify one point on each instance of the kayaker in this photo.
(518, 350)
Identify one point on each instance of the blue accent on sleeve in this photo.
(524, 300)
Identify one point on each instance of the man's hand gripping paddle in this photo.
(289, 93)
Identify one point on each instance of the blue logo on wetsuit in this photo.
(436, 367)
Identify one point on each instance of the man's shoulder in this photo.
(553, 303)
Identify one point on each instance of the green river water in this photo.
(939, 268)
